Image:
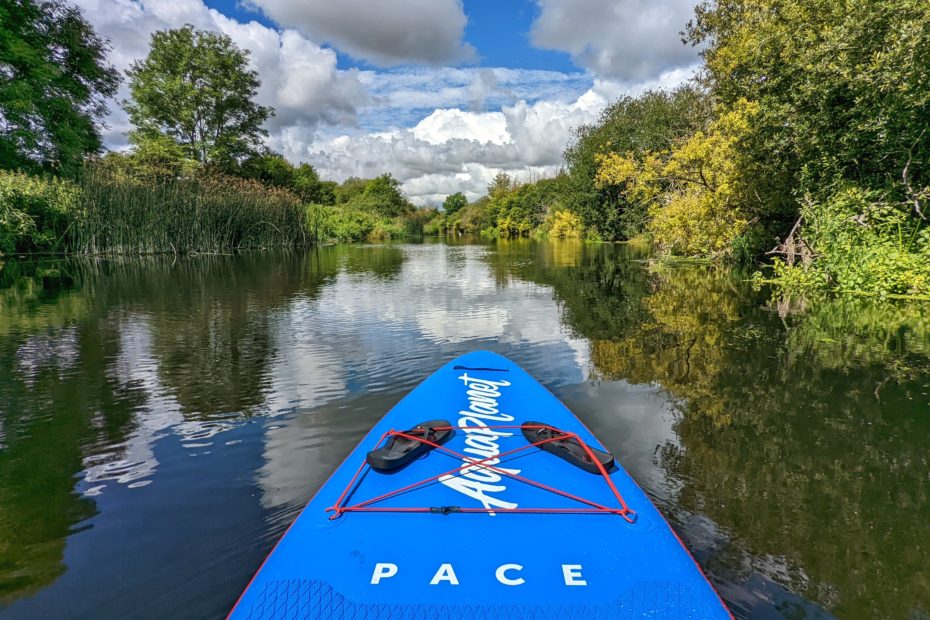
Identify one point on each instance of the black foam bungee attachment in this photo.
(567, 448)
(400, 451)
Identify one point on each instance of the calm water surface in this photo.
(162, 421)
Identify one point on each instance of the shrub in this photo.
(862, 242)
(563, 224)
(35, 213)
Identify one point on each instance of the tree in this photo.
(308, 186)
(843, 90)
(501, 186)
(157, 156)
(454, 203)
(384, 196)
(351, 188)
(195, 86)
(54, 81)
(269, 168)
(693, 193)
(653, 121)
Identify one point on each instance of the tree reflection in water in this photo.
(804, 437)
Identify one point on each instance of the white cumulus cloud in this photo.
(387, 32)
(455, 150)
(627, 40)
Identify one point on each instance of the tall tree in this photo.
(196, 86)
(654, 121)
(843, 89)
(383, 195)
(454, 203)
(54, 82)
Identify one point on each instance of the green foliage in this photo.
(381, 196)
(843, 94)
(563, 224)
(420, 222)
(454, 203)
(510, 209)
(55, 81)
(306, 183)
(196, 87)
(843, 87)
(697, 200)
(652, 122)
(269, 168)
(523, 208)
(862, 243)
(351, 188)
(35, 213)
(155, 156)
(122, 214)
(501, 186)
(345, 224)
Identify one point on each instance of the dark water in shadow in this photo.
(162, 421)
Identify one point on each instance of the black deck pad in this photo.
(568, 448)
(400, 451)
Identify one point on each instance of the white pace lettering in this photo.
(445, 573)
(572, 575)
(383, 570)
(501, 574)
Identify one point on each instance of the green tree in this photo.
(502, 185)
(653, 121)
(54, 82)
(157, 156)
(328, 192)
(269, 168)
(843, 90)
(308, 186)
(196, 87)
(843, 96)
(454, 203)
(350, 189)
(383, 195)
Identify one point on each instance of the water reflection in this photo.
(803, 437)
(162, 420)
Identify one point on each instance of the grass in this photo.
(120, 214)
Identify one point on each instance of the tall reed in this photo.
(123, 214)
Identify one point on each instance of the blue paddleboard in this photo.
(486, 525)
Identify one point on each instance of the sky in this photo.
(442, 94)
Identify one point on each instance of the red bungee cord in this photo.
(622, 509)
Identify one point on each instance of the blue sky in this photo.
(443, 94)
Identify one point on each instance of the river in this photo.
(162, 420)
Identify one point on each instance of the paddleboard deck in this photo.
(485, 525)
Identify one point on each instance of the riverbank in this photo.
(110, 210)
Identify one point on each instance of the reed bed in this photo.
(121, 214)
